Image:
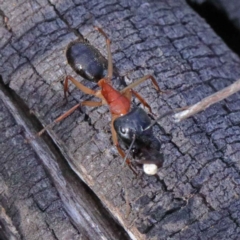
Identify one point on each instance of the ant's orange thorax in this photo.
(118, 104)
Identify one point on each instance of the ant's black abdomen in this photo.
(86, 61)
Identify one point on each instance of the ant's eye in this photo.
(123, 130)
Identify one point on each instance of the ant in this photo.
(86, 61)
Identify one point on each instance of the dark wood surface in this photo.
(194, 196)
(229, 8)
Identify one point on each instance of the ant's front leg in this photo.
(140, 80)
(142, 100)
(120, 151)
(137, 95)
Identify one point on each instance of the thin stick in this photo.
(208, 101)
(159, 118)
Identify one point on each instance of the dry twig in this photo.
(206, 102)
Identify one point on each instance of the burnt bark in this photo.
(196, 193)
(224, 17)
(230, 8)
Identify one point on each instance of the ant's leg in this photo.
(137, 95)
(115, 141)
(128, 94)
(139, 81)
(78, 85)
(110, 64)
(142, 100)
(70, 111)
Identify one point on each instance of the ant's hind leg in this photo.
(79, 85)
(110, 63)
(69, 112)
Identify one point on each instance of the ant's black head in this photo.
(86, 61)
(131, 130)
(133, 124)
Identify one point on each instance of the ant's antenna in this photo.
(156, 120)
(129, 149)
